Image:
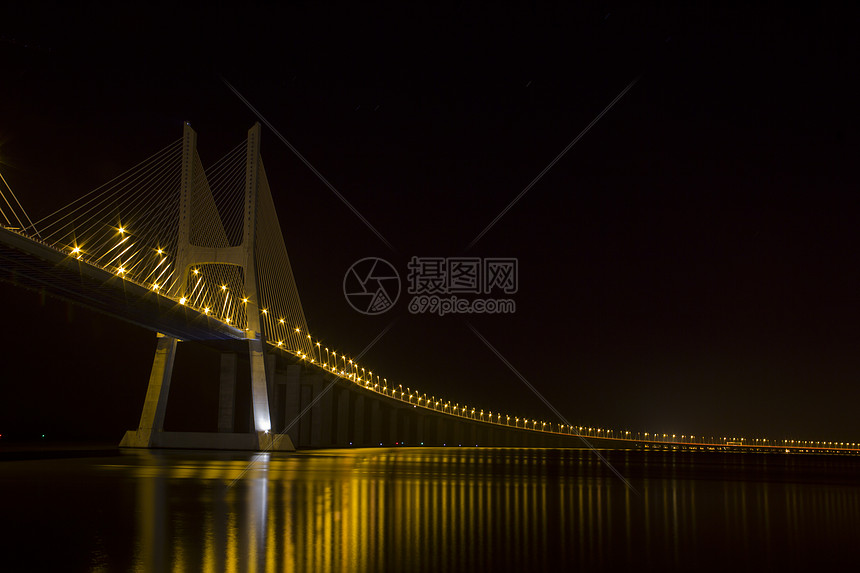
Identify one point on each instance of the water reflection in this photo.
(460, 509)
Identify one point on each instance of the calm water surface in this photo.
(454, 509)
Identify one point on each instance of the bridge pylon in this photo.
(150, 432)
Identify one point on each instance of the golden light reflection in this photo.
(459, 509)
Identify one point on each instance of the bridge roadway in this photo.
(338, 412)
(43, 268)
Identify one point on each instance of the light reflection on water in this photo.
(438, 510)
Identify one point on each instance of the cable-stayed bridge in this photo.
(197, 255)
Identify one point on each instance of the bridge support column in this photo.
(227, 392)
(342, 416)
(375, 423)
(304, 423)
(271, 366)
(441, 433)
(292, 401)
(394, 435)
(155, 403)
(319, 414)
(326, 403)
(260, 394)
(358, 434)
(419, 429)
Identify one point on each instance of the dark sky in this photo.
(689, 266)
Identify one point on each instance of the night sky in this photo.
(690, 266)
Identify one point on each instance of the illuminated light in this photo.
(155, 286)
(245, 300)
(121, 230)
(159, 251)
(280, 343)
(120, 270)
(182, 300)
(196, 271)
(265, 311)
(228, 320)
(223, 287)
(76, 250)
(281, 320)
(206, 310)
(298, 329)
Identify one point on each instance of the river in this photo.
(422, 509)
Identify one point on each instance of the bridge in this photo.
(197, 256)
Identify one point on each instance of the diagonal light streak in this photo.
(551, 407)
(551, 164)
(26, 216)
(308, 164)
(332, 382)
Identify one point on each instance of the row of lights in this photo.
(350, 371)
(78, 253)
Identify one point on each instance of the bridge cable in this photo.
(23, 211)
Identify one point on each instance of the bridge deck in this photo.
(43, 268)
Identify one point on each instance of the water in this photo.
(447, 509)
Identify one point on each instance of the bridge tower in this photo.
(150, 432)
